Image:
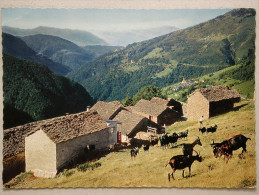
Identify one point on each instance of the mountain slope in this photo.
(78, 37)
(124, 38)
(59, 50)
(14, 46)
(208, 47)
(32, 92)
(99, 50)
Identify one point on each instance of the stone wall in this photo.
(141, 126)
(221, 107)
(40, 155)
(197, 107)
(168, 117)
(70, 149)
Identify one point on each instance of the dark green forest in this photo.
(32, 92)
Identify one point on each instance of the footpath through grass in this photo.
(148, 170)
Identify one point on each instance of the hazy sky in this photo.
(106, 19)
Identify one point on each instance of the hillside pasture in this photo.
(148, 169)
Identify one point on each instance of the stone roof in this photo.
(158, 100)
(107, 110)
(129, 121)
(13, 138)
(58, 129)
(148, 107)
(217, 93)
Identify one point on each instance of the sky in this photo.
(106, 19)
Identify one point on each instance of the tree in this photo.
(148, 93)
(127, 101)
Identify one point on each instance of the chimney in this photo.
(87, 108)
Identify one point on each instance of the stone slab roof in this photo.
(148, 107)
(158, 100)
(129, 121)
(217, 93)
(107, 110)
(13, 138)
(58, 129)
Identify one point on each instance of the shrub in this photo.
(85, 166)
(68, 173)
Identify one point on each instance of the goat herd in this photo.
(224, 148)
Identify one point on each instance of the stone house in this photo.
(175, 105)
(107, 110)
(156, 111)
(210, 102)
(59, 140)
(131, 124)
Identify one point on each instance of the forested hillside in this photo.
(32, 92)
(78, 37)
(222, 42)
(59, 50)
(14, 46)
(99, 50)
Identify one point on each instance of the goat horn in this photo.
(196, 152)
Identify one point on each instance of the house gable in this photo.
(40, 154)
(197, 106)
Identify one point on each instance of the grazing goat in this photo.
(212, 129)
(188, 148)
(172, 139)
(134, 152)
(89, 148)
(154, 141)
(202, 130)
(146, 148)
(181, 162)
(183, 134)
(227, 147)
(164, 141)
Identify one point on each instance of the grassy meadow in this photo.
(148, 170)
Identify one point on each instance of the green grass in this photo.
(155, 53)
(147, 170)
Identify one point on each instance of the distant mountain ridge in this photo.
(208, 47)
(16, 47)
(79, 37)
(124, 38)
(32, 92)
(59, 50)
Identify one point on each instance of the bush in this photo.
(86, 166)
(68, 173)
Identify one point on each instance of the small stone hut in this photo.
(107, 110)
(208, 102)
(131, 124)
(59, 140)
(156, 111)
(175, 105)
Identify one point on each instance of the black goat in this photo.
(183, 134)
(89, 148)
(212, 129)
(146, 148)
(154, 141)
(172, 139)
(227, 147)
(181, 162)
(164, 141)
(202, 130)
(134, 152)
